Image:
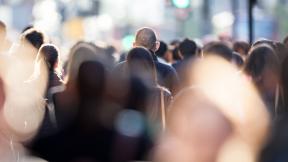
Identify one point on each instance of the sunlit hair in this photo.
(35, 37)
(79, 53)
(51, 55)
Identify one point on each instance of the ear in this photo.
(157, 45)
(134, 44)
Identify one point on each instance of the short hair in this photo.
(187, 48)
(51, 55)
(162, 49)
(241, 45)
(219, 49)
(34, 37)
(146, 37)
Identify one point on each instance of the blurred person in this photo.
(49, 55)
(81, 133)
(242, 48)
(35, 37)
(263, 67)
(219, 49)
(188, 50)
(162, 52)
(174, 49)
(276, 146)
(23, 108)
(184, 140)
(284, 82)
(166, 75)
(237, 59)
(141, 65)
(226, 106)
(5, 43)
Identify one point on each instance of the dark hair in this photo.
(51, 55)
(162, 49)
(27, 28)
(91, 80)
(2, 29)
(141, 64)
(187, 48)
(35, 37)
(260, 57)
(239, 46)
(219, 49)
(237, 59)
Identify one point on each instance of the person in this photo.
(188, 50)
(49, 55)
(166, 75)
(141, 98)
(263, 67)
(35, 37)
(242, 48)
(141, 65)
(162, 53)
(5, 43)
(78, 111)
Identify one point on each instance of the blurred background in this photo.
(115, 21)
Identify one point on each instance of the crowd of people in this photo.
(221, 101)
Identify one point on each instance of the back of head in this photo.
(2, 29)
(241, 47)
(51, 54)
(140, 64)
(237, 59)
(79, 53)
(260, 58)
(219, 49)
(187, 48)
(91, 80)
(146, 37)
(162, 49)
(34, 37)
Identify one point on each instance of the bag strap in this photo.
(163, 112)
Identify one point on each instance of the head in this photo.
(237, 59)
(263, 67)
(27, 28)
(146, 37)
(92, 80)
(3, 30)
(141, 65)
(34, 37)
(79, 53)
(50, 54)
(241, 47)
(162, 49)
(219, 49)
(187, 48)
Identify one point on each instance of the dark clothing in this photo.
(166, 75)
(182, 68)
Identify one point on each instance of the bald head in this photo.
(146, 37)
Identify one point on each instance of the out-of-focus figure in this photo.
(5, 44)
